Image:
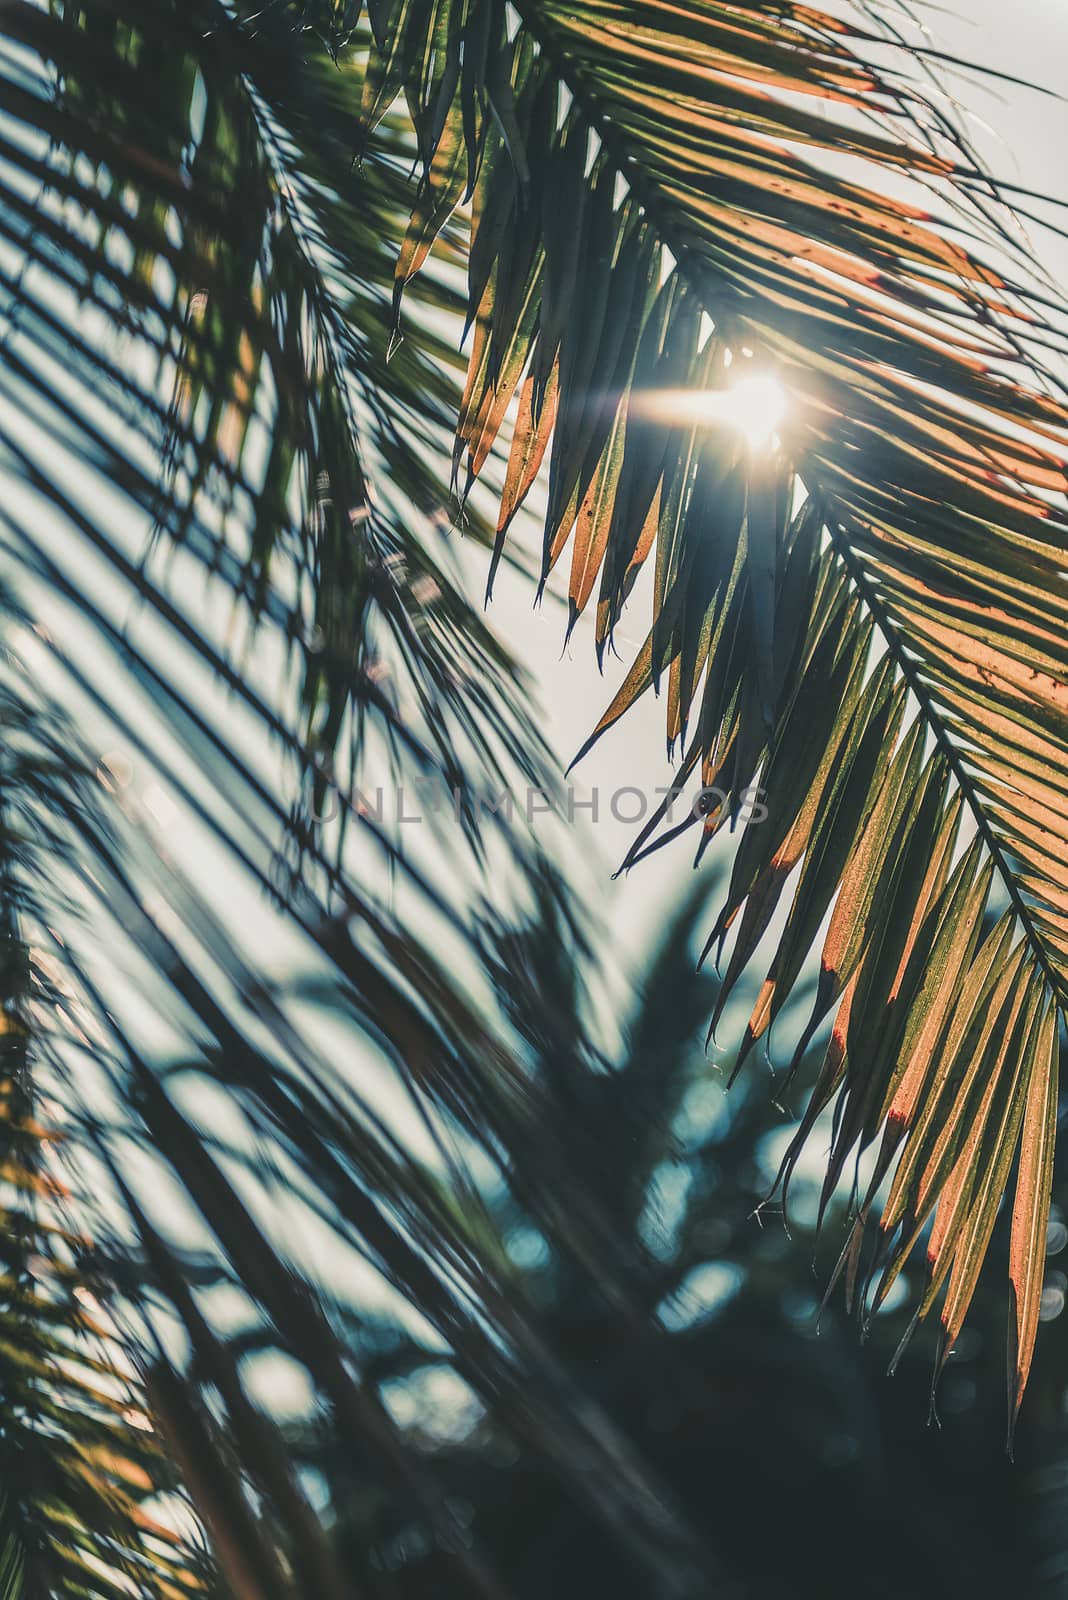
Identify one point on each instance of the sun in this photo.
(756, 406)
(753, 405)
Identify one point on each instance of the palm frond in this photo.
(865, 619)
(89, 1487)
(302, 1139)
(193, 420)
(196, 337)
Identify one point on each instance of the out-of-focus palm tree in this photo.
(227, 391)
(626, 1217)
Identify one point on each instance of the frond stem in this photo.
(932, 717)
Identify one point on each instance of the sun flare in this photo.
(754, 405)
